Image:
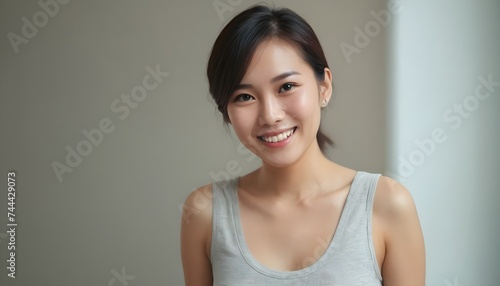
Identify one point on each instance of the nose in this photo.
(271, 110)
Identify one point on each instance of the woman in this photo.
(299, 219)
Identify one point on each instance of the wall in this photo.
(101, 174)
(444, 135)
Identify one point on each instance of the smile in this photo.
(277, 138)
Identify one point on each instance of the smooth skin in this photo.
(290, 206)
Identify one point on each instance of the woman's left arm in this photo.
(404, 260)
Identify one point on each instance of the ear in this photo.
(326, 87)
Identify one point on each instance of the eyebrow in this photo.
(273, 80)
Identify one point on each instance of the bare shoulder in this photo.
(392, 200)
(196, 234)
(396, 214)
(198, 205)
(197, 217)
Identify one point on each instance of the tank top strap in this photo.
(363, 187)
(222, 216)
(358, 228)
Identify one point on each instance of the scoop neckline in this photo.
(265, 270)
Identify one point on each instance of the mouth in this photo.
(279, 137)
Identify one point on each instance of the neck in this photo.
(300, 180)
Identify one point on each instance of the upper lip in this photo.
(276, 132)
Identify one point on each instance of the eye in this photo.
(243, 97)
(286, 87)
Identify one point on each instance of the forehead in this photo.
(273, 57)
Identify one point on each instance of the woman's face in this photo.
(276, 110)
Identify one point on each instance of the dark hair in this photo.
(237, 42)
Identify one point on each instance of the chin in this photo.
(279, 159)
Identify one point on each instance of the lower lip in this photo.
(278, 144)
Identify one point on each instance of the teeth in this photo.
(279, 137)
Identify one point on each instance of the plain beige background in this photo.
(117, 211)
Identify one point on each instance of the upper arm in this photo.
(196, 233)
(404, 261)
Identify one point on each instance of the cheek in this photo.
(242, 120)
(303, 105)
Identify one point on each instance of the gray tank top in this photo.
(349, 258)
